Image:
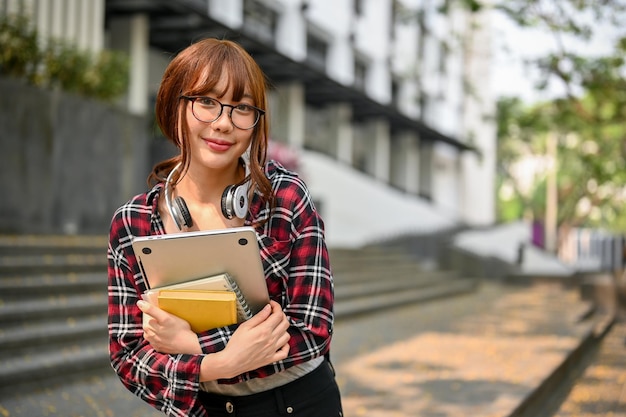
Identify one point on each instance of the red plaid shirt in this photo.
(298, 275)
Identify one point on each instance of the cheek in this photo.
(245, 137)
(190, 120)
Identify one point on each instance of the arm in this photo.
(167, 382)
(257, 342)
(296, 261)
(309, 296)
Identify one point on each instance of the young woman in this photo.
(212, 105)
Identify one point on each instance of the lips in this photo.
(218, 145)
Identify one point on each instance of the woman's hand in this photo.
(259, 341)
(166, 332)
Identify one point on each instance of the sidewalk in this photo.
(601, 390)
(480, 354)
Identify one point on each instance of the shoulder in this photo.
(133, 217)
(293, 208)
(287, 185)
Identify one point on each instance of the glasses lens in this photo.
(206, 109)
(244, 116)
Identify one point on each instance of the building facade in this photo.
(397, 90)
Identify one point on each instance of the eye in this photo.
(244, 108)
(207, 102)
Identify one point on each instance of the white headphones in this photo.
(234, 200)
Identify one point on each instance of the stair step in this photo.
(349, 258)
(63, 330)
(363, 262)
(361, 276)
(370, 304)
(54, 306)
(37, 285)
(373, 288)
(380, 268)
(52, 244)
(52, 264)
(41, 363)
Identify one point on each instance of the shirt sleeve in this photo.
(306, 291)
(167, 382)
(298, 273)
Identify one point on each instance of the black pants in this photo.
(314, 395)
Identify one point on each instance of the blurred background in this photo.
(483, 138)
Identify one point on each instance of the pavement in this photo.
(483, 354)
(601, 390)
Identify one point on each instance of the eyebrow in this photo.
(214, 94)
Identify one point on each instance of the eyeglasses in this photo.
(208, 110)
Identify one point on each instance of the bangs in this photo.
(213, 63)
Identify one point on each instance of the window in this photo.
(316, 51)
(395, 93)
(395, 18)
(360, 74)
(358, 7)
(259, 20)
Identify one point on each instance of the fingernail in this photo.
(141, 304)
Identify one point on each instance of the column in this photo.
(405, 162)
(382, 149)
(71, 23)
(131, 35)
(345, 133)
(96, 37)
(295, 112)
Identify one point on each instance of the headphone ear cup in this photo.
(240, 201)
(184, 211)
(235, 201)
(227, 202)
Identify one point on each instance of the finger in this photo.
(153, 311)
(280, 329)
(283, 339)
(282, 353)
(259, 317)
(276, 307)
(147, 321)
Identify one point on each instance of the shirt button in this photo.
(289, 410)
(230, 408)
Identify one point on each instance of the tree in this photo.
(587, 118)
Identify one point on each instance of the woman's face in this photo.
(217, 144)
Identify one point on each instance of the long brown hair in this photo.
(195, 71)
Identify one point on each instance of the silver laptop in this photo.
(179, 257)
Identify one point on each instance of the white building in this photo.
(389, 93)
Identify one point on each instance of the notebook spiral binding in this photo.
(243, 309)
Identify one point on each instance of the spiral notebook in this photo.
(191, 293)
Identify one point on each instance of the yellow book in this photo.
(219, 282)
(202, 309)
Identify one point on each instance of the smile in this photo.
(218, 145)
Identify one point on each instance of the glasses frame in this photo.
(193, 100)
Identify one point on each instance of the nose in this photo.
(223, 122)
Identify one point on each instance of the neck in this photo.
(206, 185)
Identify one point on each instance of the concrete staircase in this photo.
(53, 307)
(375, 278)
(53, 300)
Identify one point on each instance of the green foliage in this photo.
(109, 77)
(587, 119)
(19, 49)
(59, 64)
